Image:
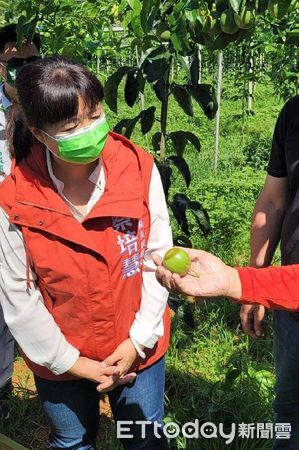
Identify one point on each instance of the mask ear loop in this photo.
(4, 67)
(52, 137)
(49, 150)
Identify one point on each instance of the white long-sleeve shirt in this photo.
(28, 319)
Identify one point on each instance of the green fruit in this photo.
(212, 25)
(227, 22)
(165, 36)
(163, 32)
(245, 19)
(177, 261)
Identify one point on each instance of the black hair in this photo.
(8, 33)
(48, 92)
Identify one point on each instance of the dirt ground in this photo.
(27, 424)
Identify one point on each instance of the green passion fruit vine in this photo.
(176, 260)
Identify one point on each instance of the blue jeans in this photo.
(72, 409)
(6, 352)
(286, 355)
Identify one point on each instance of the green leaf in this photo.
(145, 13)
(292, 36)
(131, 87)
(147, 119)
(152, 53)
(159, 87)
(201, 216)
(235, 4)
(3, 4)
(183, 98)
(182, 241)
(179, 206)
(30, 27)
(180, 41)
(155, 69)
(194, 68)
(193, 139)
(204, 94)
(126, 126)
(180, 139)
(136, 20)
(167, 6)
(183, 167)
(156, 139)
(111, 87)
(222, 40)
(20, 28)
(191, 11)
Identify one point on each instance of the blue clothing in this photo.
(286, 356)
(5, 160)
(6, 352)
(6, 339)
(72, 409)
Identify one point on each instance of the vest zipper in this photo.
(44, 207)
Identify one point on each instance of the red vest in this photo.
(89, 273)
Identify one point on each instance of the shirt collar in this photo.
(6, 103)
(95, 177)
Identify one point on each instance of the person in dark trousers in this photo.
(276, 219)
(11, 62)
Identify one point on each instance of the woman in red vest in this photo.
(80, 216)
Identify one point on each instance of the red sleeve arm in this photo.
(273, 287)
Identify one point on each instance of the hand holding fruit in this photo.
(214, 278)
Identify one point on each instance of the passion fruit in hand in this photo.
(176, 260)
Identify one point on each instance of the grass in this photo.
(214, 372)
(213, 375)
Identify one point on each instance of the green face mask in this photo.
(84, 145)
(15, 65)
(11, 74)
